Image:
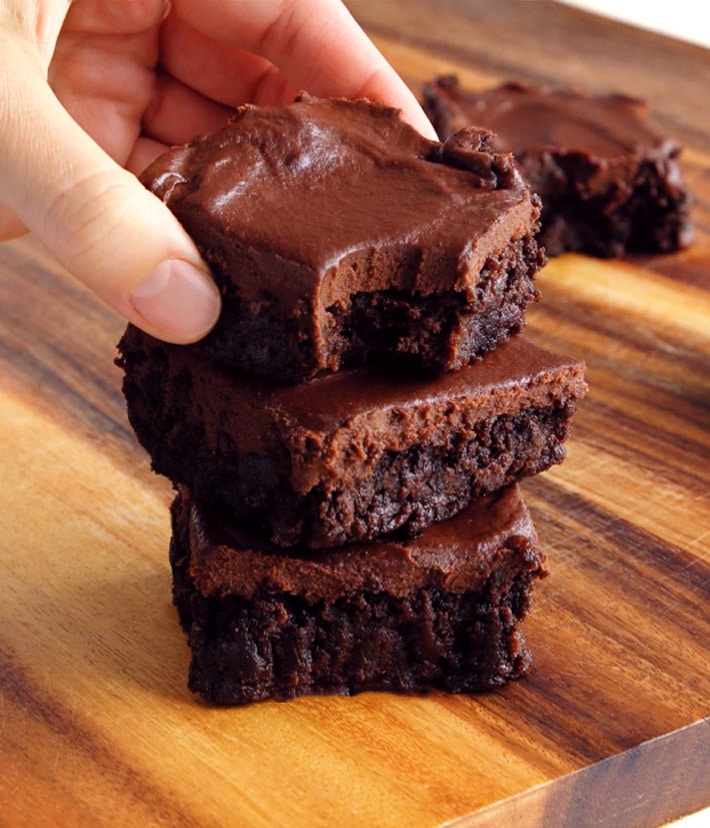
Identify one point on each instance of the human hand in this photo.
(91, 91)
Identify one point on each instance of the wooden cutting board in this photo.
(611, 728)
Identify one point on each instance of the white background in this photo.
(684, 19)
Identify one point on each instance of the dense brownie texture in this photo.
(339, 236)
(443, 611)
(609, 182)
(352, 455)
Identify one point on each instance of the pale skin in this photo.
(92, 90)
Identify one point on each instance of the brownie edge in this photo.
(440, 612)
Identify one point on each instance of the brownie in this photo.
(339, 236)
(443, 611)
(352, 455)
(610, 183)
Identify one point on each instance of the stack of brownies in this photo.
(345, 444)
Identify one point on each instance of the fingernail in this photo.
(178, 300)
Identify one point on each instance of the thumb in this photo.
(102, 225)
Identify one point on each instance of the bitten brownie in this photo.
(353, 455)
(609, 182)
(339, 236)
(443, 611)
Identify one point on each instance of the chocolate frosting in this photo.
(283, 196)
(456, 555)
(609, 132)
(342, 423)
(524, 116)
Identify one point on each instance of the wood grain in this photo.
(613, 725)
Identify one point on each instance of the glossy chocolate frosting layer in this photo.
(457, 555)
(527, 118)
(314, 181)
(340, 236)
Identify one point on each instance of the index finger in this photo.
(316, 44)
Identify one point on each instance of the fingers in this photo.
(118, 17)
(144, 152)
(97, 219)
(105, 80)
(178, 113)
(317, 45)
(218, 69)
(10, 226)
